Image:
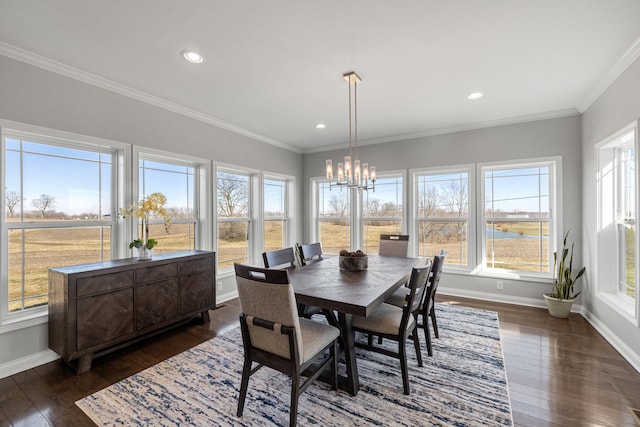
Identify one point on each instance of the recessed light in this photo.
(192, 56)
(321, 126)
(475, 95)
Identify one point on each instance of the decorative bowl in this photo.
(353, 263)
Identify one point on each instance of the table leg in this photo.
(348, 338)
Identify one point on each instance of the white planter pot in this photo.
(144, 253)
(558, 307)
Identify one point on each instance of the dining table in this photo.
(350, 293)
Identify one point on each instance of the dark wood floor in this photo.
(561, 372)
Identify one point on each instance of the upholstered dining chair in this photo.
(310, 253)
(397, 323)
(427, 308)
(280, 258)
(394, 245)
(274, 336)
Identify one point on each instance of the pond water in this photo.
(497, 234)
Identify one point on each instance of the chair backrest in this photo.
(394, 245)
(267, 294)
(434, 279)
(417, 286)
(280, 258)
(310, 253)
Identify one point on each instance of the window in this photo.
(275, 213)
(175, 179)
(617, 240)
(518, 217)
(233, 217)
(442, 205)
(382, 211)
(333, 217)
(60, 198)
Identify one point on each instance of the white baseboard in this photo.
(27, 362)
(613, 339)
(220, 298)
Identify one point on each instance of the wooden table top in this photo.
(324, 285)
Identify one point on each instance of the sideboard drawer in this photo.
(156, 272)
(104, 283)
(195, 265)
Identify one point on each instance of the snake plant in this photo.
(562, 271)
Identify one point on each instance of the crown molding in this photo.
(628, 58)
(455, 129)
(97, 81)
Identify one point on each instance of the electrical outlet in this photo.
(219, 285)
(499, 285)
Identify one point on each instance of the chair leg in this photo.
(427, 335)
(334, 366)
(416, 344)
(295, 390)
(244, 384)
(432, 314)
(403, 366)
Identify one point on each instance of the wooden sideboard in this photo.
(97, 308)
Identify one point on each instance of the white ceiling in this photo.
(273, 69)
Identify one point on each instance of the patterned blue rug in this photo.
(463, 384)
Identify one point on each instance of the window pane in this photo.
(511, 195)
(12, 196)
(334, 236)
(435, 236)
(48, 248)
(386, 201)
(233, 243)
(518, 246)
(233, 195)
(274, 234)
(274, 198)
(333, 203)
(176, 182)
(61, 183)
(443, 211)
(181, 237)
(372, 231)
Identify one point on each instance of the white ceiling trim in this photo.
(454, 129)
(85, 77)
(628, 58)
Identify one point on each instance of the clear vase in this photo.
(144, 253)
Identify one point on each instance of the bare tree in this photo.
(338, 204)
(233, 202)
(12, 198)
(373, 206)
(429, 201)
(44, 203)
(456, 201)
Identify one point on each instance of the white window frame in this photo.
(288, 218)
(555, 214)
(471, 221)
(253, 218)
(315, 209)
(202, 204)
(608, 244)
(403, 200)
(120, 175)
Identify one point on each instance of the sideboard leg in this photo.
(205, 316)
(84, 363)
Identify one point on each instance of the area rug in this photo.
(463, 384)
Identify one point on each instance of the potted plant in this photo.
(560, 300)
(145, 209)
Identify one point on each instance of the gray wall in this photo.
(38, 97)
(555, 137)
(618, 106)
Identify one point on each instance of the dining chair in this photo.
(394, 245)
(396, 323)
(274, 336)
(280, 258)
(310, 253)
(427, 308)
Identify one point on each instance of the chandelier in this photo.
(349, 174)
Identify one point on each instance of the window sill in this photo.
(620, 305)
(14, 322)
(500, 275)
